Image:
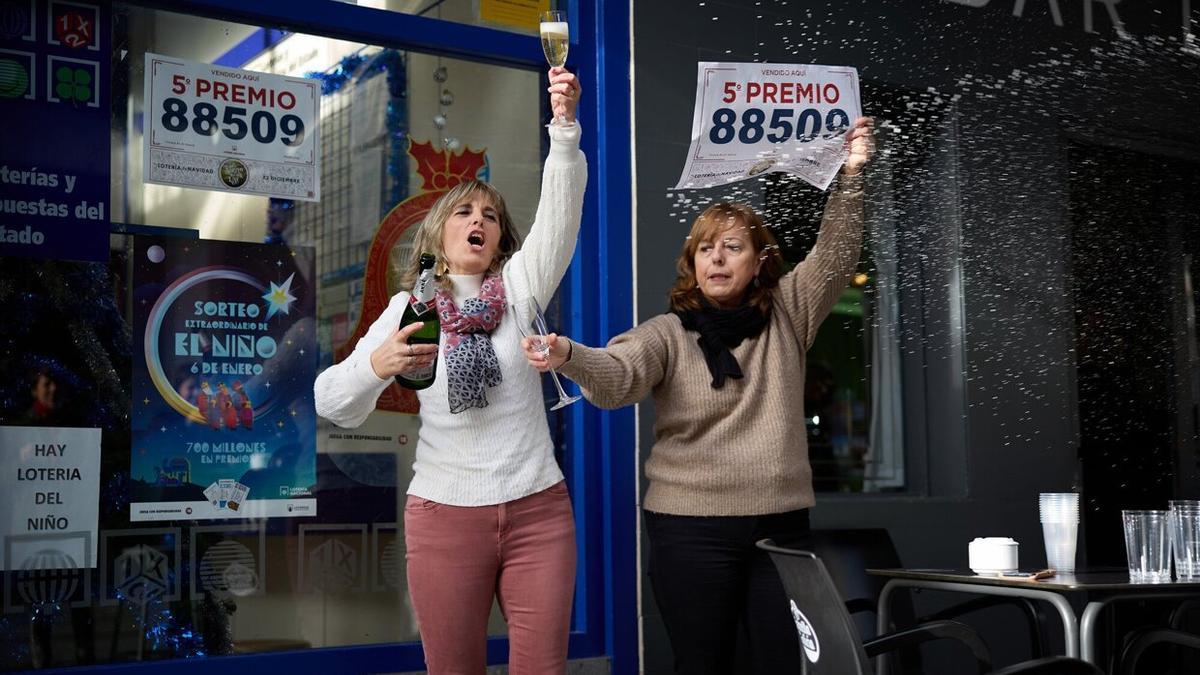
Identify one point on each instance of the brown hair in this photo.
(686, 294)
(428, 238)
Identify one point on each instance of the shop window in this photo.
(181, 587)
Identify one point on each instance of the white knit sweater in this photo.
(503, 452)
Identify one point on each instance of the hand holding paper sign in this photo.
(861, 144)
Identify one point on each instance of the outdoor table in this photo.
(1102, 587)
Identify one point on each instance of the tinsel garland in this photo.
(203, 632)
(115, 497)
(165, 635)
(14, 644)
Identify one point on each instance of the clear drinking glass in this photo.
(1184, 536)
(1146, 546)
(535, 330)
(556, 41)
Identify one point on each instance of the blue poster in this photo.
(224, 362)
(54, 159)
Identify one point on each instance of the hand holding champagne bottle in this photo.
(410, 354)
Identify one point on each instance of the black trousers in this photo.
(721, 600)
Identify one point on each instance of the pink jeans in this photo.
(460, 557)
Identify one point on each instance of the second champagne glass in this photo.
(536, 330)
(556, 40)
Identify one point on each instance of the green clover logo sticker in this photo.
(73, 84)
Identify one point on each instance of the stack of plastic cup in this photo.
(1184, 535)
(1060, 525)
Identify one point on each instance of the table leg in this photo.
(1087, 630)
(883, 617)
(1091, 615)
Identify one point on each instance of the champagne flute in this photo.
(556, 40)
(535, 331)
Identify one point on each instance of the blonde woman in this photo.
(488, 514)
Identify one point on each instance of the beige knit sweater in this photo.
(741, 449)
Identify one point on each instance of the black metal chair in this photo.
(830, 644)
(847, 554)
(1140, 641)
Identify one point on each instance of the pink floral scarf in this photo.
(471, 363)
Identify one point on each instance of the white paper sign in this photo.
(231, 130)
(366, 193)
(49, 497)
(752, 118)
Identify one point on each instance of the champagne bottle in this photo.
(421, 307)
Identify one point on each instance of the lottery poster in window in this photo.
(225, 356)
(231, 130)
(755, 118)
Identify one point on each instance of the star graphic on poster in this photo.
(279, 298)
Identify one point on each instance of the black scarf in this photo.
(720, 331)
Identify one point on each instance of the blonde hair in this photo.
(722, 216)
(428, 238)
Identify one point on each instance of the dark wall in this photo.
(985, 222)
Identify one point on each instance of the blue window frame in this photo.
(597, 298)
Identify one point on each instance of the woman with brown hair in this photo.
(729, 464)
(487, 515)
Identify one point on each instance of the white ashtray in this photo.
(992, 556)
